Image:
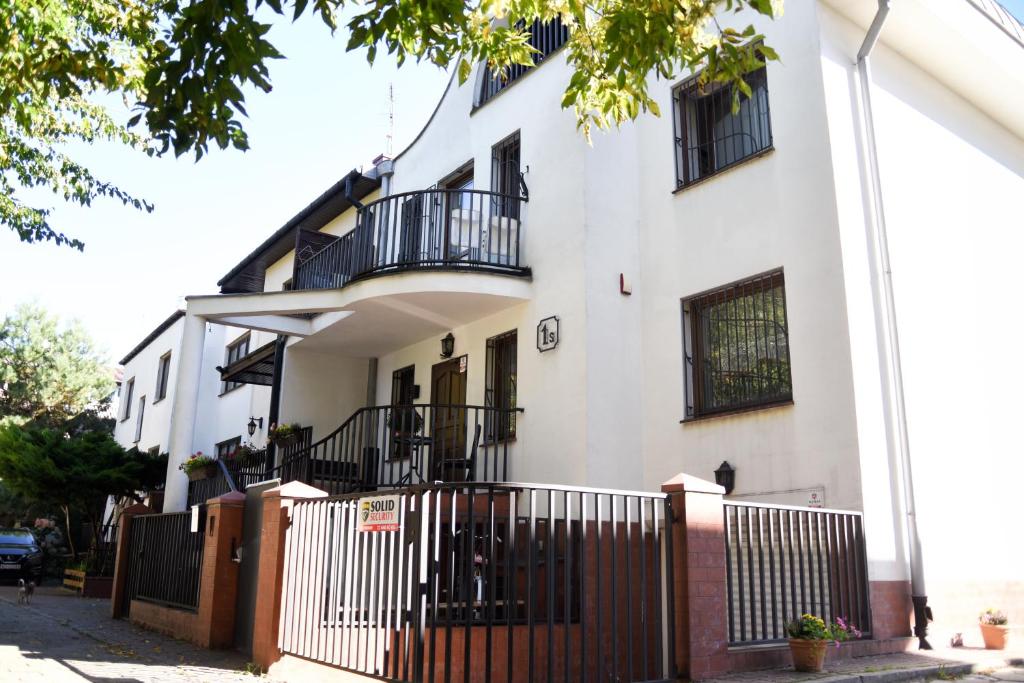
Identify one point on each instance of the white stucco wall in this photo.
(157, 417)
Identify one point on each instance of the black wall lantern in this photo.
(253, 421)
(448, 345)
(725, 476)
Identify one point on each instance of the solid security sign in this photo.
(380, 513)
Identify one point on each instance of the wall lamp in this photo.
(725, 476)
(448, 345)
(253, 422)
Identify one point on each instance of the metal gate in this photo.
(165, 560)
(505, 582)
(248, 570)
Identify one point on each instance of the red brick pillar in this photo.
(218, 581)
(699, 580)
(277, 506)
(117, 590)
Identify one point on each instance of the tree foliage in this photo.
(183, 66)
(49, 374)
(74, 472)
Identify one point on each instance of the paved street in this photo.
(62, 637)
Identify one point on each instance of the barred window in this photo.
(506, 178)
(545, 37)
(736, 346)
(709, 136)
(500, 386)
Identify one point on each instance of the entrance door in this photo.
(448, 422)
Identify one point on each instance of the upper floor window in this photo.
(545, 37)
(506, 176)
(126, 399)
(163, 373)
(736, 345)
(235, 351)
(227, 448)
(138, 420)
(500, 386)
(709, 136)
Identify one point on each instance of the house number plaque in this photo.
(547, 333)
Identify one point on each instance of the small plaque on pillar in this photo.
(194, 521)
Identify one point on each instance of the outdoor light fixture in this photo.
(725, 476)
(253, 422)
(448, 345)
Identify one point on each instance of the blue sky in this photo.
(326, 115)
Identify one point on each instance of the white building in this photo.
(604, 291)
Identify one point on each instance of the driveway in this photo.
(62, 637)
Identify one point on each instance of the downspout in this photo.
(904, 477)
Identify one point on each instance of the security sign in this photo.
(380, 513)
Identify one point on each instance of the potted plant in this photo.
(810, 635)
(247, 454)
(199, 466)
(284, 435)
(993, 629)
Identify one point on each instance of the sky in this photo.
(326, 115)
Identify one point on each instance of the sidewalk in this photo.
(970, 663)
(62, 637)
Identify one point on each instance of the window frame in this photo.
(680, 128)
(501, 429)
(139, 418)
(163, 376)
(505, 183)
(693, 346)
(234, 442)
(228, 349)
(126, 399)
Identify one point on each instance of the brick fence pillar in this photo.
(218, 580)
(117, 590)
(277, 506)
(699, 580)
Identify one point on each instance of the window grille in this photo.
(709, 136)
(736, 347)
(506, 178)
(545, 37)
(500, 386)
(162, 375)
(126, 401)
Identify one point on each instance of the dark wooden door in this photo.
(448, 396)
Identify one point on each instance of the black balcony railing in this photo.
(395, 446)
(429, 229)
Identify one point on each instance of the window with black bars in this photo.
(506, 177)
(500, 386)
(235, 351)
(163, 373)
(545, 37)
(736, 346)
(227, 448)
(710, 137)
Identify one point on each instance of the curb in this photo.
(919, 673)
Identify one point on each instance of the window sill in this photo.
(508, 440)
(737, 411)
(156, 401)
(721, 172)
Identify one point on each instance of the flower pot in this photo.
(808, 655)
(286, 441)
(994, 636)
(208, 472)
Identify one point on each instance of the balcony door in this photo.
(448, 428)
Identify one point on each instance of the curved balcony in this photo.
(437, 229)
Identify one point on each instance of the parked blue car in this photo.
(20, 556)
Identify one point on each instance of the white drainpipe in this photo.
(902, 476)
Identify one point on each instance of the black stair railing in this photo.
(406, 445)
(427, 229)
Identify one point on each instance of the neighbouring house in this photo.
(807, 297)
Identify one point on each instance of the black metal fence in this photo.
(396, 446)
(100, 549)
(786, 561)
(437, 228)
(165, 560)
(545, 37)
(512, 582)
